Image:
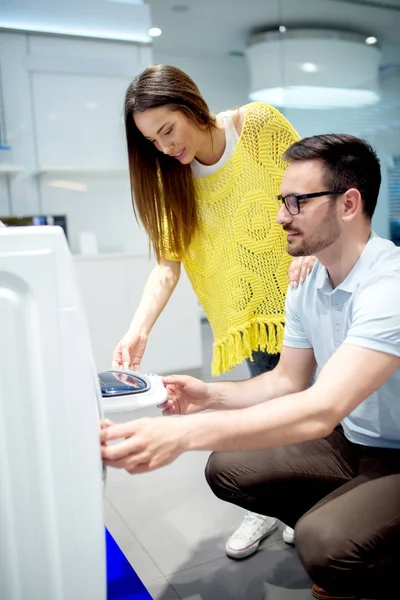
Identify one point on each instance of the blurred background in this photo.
(328, 65)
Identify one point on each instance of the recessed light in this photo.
(371, 40)
(309, 67)
(155, 31)
(282, 28)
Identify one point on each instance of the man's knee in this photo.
(214, 472)
(218, 475)
(312, 545)
(327, 554)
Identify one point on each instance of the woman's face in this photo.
(171, 131)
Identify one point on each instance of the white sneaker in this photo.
(288, 535)
(246, 539)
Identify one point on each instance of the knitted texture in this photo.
(237, 263)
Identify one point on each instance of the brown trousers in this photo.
(342, 498)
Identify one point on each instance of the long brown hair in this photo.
(163, 194)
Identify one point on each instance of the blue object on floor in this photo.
(122, 581)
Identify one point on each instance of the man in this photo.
(334, 446)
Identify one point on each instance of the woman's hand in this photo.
(129, 351)
(300, 268)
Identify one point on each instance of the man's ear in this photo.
(352, 204)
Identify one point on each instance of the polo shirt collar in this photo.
(357, 273)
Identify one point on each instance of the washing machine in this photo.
(52, 542)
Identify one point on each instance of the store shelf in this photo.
(73, 170)
(10, 169)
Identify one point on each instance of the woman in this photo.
(204, 187)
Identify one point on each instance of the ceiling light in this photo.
(155, 31)
(76, 30)
(275, 76)
(314, 97)
(282, 28)
(309, 67)
(371, 40)
(125, 20)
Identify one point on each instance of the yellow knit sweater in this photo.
(237, 262)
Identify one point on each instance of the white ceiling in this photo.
(217, 27)
(206, 27)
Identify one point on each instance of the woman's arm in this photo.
(159, 286)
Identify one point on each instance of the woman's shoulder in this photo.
(254, 115)
(258, 115)
(261, 111)
(238, 118)
(236, 114)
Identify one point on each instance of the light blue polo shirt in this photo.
(364, 310)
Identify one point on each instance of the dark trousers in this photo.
(262, 362)
(342, 498)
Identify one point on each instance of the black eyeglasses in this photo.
(292, 201)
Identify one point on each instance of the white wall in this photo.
(63, 107)
(18, 124)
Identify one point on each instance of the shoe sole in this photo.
(288, 539)
(252, 549)
(327, 596)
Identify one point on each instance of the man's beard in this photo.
(327, 233)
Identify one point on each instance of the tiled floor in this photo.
(173, 531)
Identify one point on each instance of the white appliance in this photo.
(52, 540)
(124, 391)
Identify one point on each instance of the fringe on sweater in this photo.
(240, 344)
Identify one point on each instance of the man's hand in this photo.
(186, 395)
(105, 423)
(149, 444)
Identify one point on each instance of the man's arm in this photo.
(349, 377)
(292, 374)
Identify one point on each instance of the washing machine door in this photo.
(129, 390)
